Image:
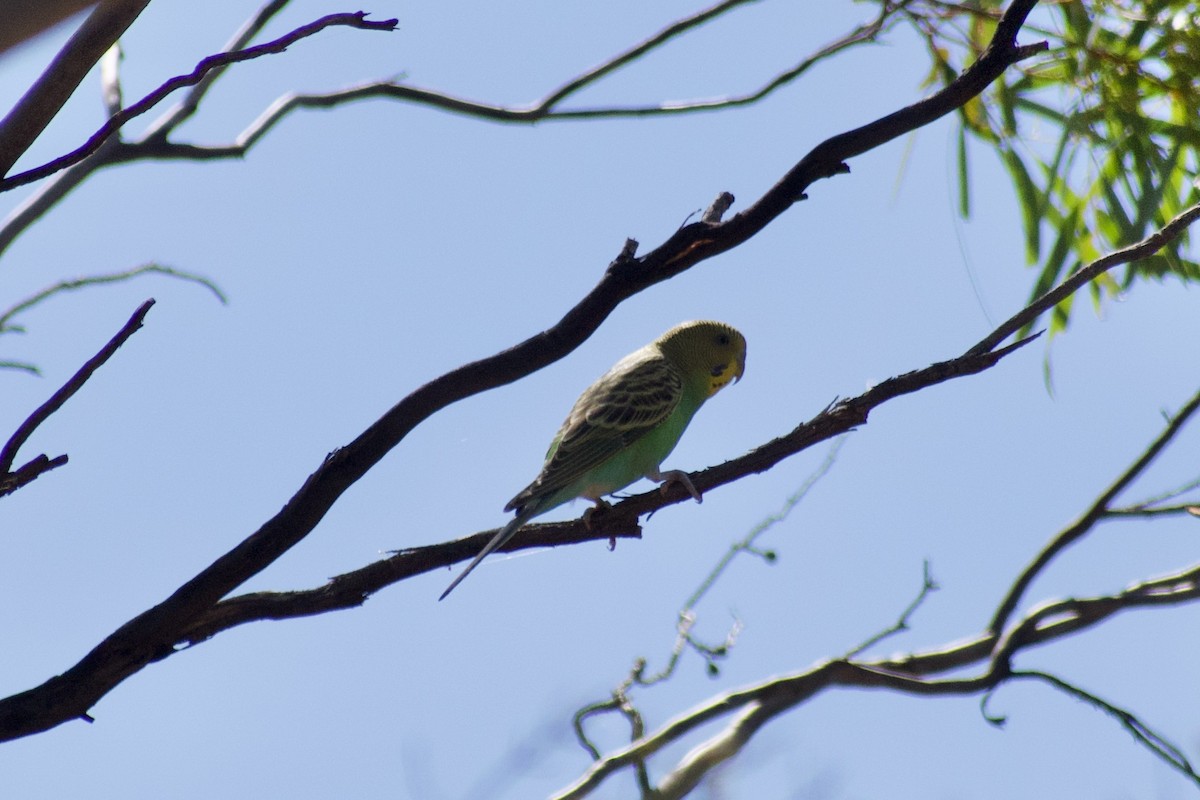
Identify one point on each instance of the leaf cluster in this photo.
(1099, 135)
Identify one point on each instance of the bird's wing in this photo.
(625, 404)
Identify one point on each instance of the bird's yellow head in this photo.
(705, 350)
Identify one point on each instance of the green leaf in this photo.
(964, 189)
(1053, 269)
(1028, 194)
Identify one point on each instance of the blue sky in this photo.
(369, 249)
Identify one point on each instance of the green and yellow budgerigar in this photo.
(624, 425)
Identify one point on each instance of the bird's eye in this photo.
(723, 339)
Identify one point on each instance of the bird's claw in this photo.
(677, 476)
(601, 505)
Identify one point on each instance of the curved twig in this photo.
(180, 112)
(6, 315)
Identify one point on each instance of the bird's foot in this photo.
(665, 480)
(601, 505)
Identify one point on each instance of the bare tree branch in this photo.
(928, 587)
(1156, 511)
(620, 520)
(1154, 505)
(754, 706)
(183, 110)
(637, 51)
(31, 471)
(207, 65)
(154, 634)
(1143, 733)
(10, 481)
(7, 315)
(114, 150)
(1146, 247)
(155, 144)
(1098, 510)
(547, 107)
(911, 673)
(42, 102)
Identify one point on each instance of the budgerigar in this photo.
(624, 425)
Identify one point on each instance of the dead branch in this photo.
(754, 706)
(193, 78)
(11, 481)
(155, 144)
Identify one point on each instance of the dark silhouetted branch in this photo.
(10, 481)
(157, 632)
(1098, 511)
(156, 145)
(206, 66)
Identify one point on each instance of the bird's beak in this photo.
(741, 368)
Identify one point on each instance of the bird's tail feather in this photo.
(499, 540)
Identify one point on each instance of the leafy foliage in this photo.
(1101, 136)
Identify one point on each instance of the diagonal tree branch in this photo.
(71, 284)
(1146, 736)
(42, 102)
(915, 673)
(621, 520)
(546, 109)
(1097, 511)
(9, 483)
(637, 51)
(153, 634)
(240, 40)
(1085, 274)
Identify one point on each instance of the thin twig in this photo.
(109, 277)
(547, 108)
(114, 150)
(34, 469)
(672, 31)
(155, 145)
(1146, 247)
(9, 452)
(352, 588)
(748, 543)
(180, 112)
(1155, 502)
(1076, 530)
(928, 586)
(1143, 733)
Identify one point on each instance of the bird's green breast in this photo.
(643, 456)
